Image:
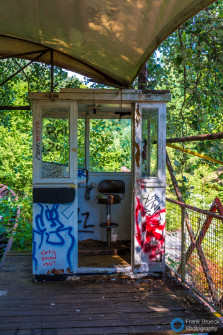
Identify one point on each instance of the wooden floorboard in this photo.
(103, 304)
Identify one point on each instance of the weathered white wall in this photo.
(120, 213)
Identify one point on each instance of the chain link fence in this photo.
(194, 248)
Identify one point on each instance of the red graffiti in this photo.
(45, 258)
(48, 252)
(48, 257)
(152, 227)
(49, 263)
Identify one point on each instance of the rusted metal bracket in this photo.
(216, 136)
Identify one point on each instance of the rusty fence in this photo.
(194, 248)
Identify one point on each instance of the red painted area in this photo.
(151, 228)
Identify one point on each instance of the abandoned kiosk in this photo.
(84, 206)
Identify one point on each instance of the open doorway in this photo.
(104, 210)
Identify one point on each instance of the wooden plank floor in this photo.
(114, 304)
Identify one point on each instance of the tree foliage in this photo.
(190, 64)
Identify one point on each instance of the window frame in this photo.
(101, 115)
(160, 179)
(37, 162)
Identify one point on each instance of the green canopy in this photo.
(107, 40)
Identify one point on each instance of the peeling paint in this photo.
(138, 117)
(58, 271)
(137, 154)
(55, 271)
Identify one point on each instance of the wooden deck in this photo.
(92, 304)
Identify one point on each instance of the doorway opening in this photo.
(104, 201)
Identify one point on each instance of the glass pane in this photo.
(81, 143)
(149, 142)
(55, 143)
(110, 145)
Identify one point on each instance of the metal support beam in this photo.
(20, 55)
(142, 78)
(183, 244)
(22, 68)
(216, 136)
(51, 61)
(15, 108)
(207, 158)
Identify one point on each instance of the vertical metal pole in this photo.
(87, 143)
(183, 244)
(51, 60)
(108, 223)
(149, 149)
(133, 187)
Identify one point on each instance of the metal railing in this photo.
(8, 220)
(194, 248)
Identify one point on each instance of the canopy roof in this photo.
(107, 40)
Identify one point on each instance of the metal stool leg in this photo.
(108, 223)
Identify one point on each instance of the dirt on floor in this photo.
(121, 246)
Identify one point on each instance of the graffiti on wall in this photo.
(53, 170)
(85, 225)
(55, 135)
(48, 257)
(82, 176)
(38, 151)
(51, 233)
(150, 233)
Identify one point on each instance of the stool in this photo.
(108, 197)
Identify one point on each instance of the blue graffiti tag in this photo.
(49, 227)
(81, 173)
